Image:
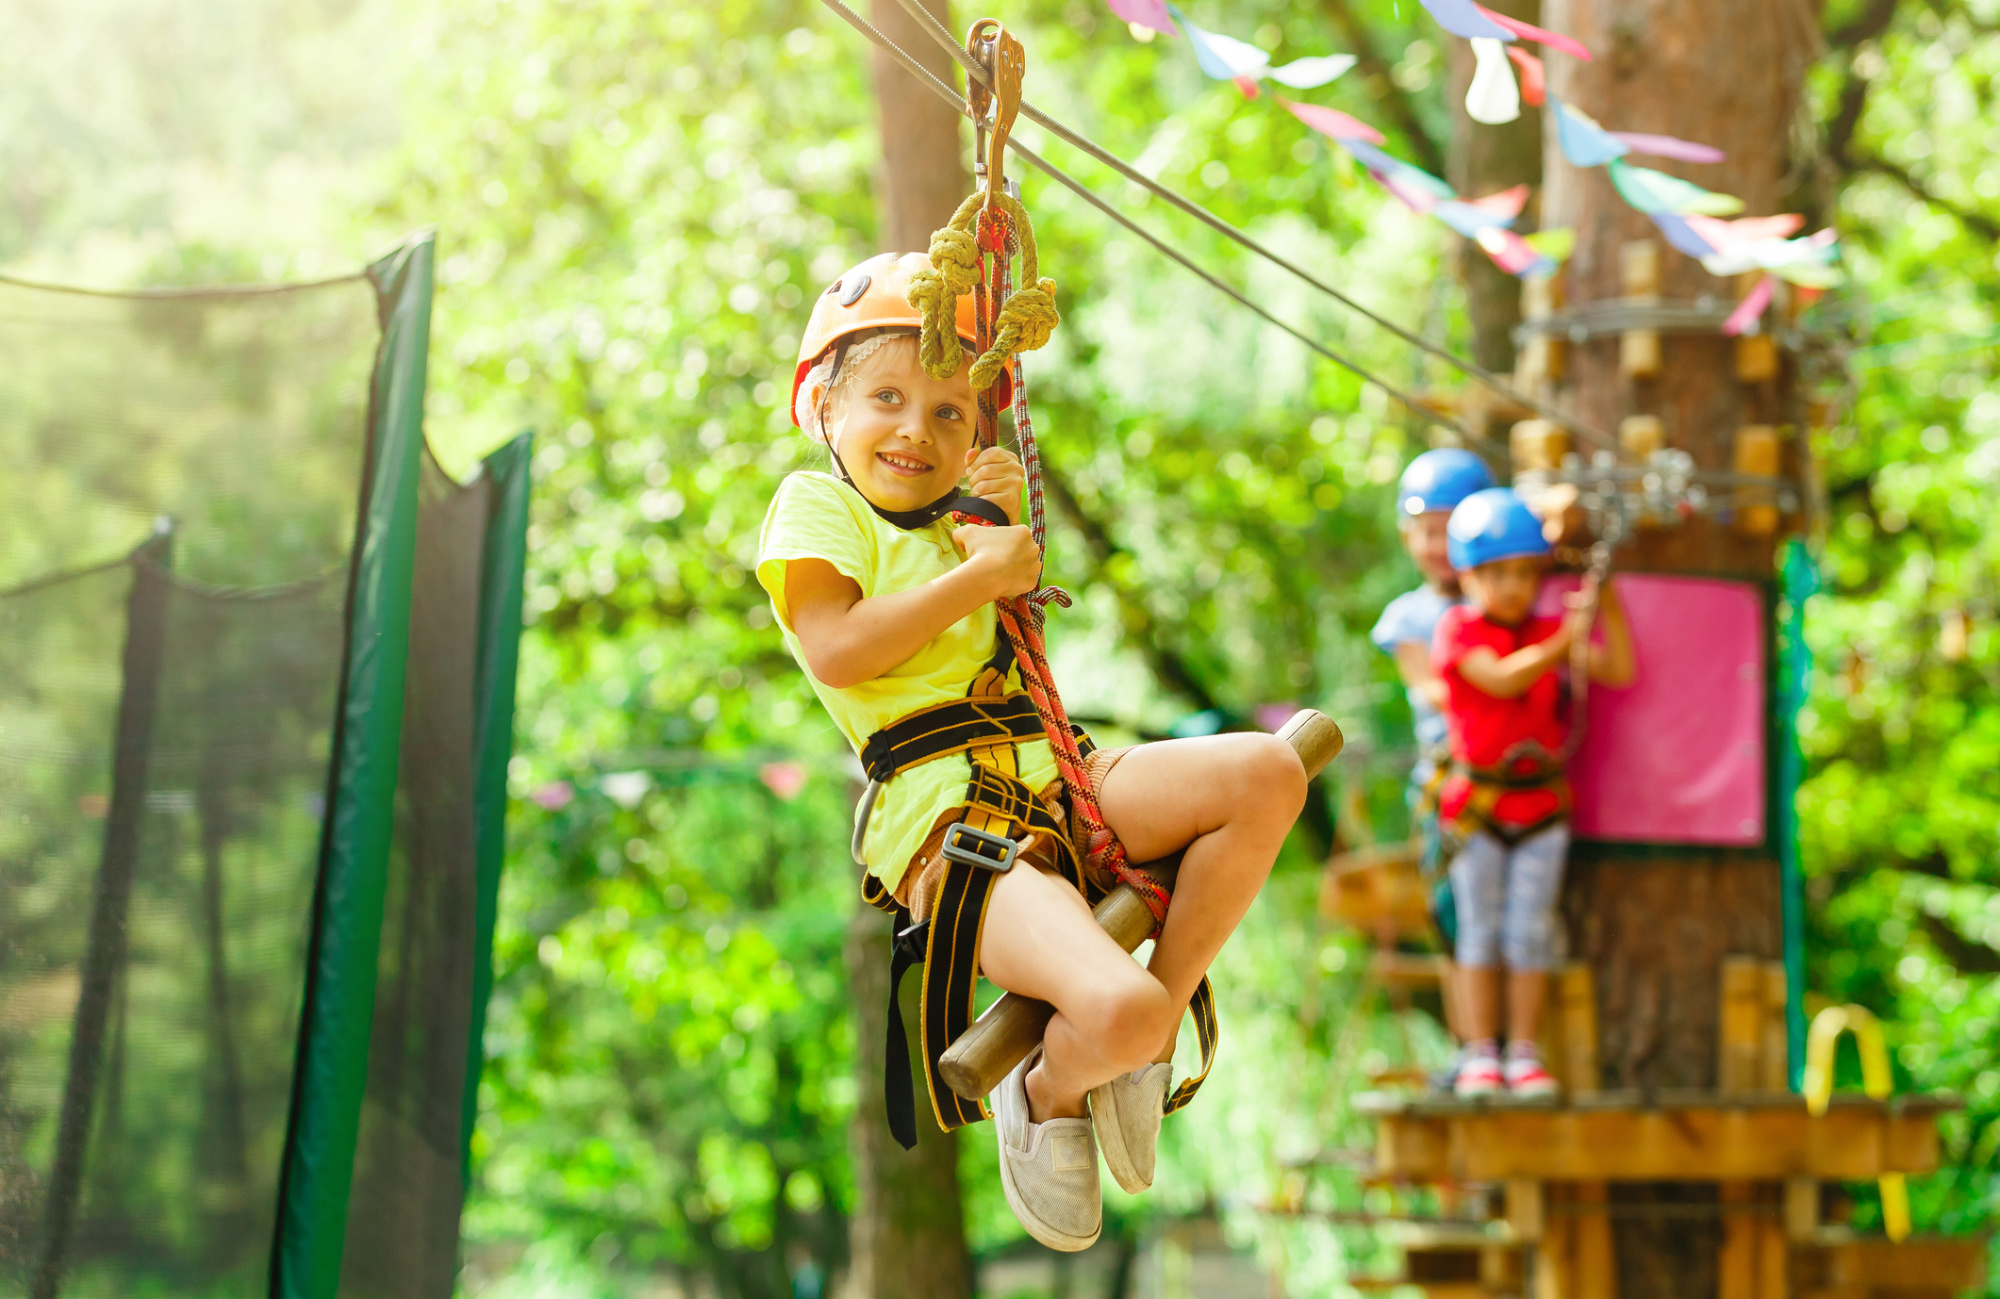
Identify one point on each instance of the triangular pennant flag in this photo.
(1145, 13)
(1655, 191)
(1511, 253)
(1464, 18)
(1222, 57)
(1332, 123)
(1733, 236)
(1534, 78)
(1418, 198)
(1666, 146)
(1541, 36)
(1492, 98)
(1466, 219)
(1405, 173)
(1504, 205)
(1751, 309)
(1584, 142)
(1556, 245)
(1680, 235)
(1311, 73)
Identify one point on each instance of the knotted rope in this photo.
(1022, 323)
(1026, 318)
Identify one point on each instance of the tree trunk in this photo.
(908, 1230)
(1654, 924)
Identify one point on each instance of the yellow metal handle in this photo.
(1822, 1040)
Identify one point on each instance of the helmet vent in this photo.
(854, 292)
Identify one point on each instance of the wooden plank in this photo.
(1736, 1260)
(1577, 993)
(1595, 1251)
(1801, 1208)
(1709, 1144)
(1740, 1027)
(1527, 1214)
(1867, 1262)
(1774, 1258)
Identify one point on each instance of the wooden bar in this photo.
(1865, 1264)
(1577, 994)
(1856, 1140)
(1736, 1260)
(1740, 1027)
(1801, 1208)
(1639, 271)
(1527, 1213)
(1774, 1260)
(1596, 1257)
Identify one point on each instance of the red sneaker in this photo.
(1526, 1075)
(1478, 1075)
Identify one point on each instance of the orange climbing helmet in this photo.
(871, 299)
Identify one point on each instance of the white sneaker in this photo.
(1126, 1113)
(1048, 1170)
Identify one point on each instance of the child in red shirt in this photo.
(1506, 798)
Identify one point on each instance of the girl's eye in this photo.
(950, 412)
(887, 396)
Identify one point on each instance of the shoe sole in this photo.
(1111, 1140)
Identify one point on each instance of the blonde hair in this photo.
(822, 374)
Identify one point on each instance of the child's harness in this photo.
(998, 811)
(1525, 766)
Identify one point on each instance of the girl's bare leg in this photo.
(1231, 800)
(1041, 941)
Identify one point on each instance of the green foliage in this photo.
(636, 203)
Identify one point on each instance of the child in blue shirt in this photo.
(1433, 484)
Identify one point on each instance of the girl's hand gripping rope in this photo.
(995, 475)
(1007, 559)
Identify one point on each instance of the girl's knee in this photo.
(1128, 1019)
(1267, 776)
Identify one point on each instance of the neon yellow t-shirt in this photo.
(816, 516)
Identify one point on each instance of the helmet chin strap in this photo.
(908, 520)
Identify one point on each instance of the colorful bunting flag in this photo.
(1655, 191)
(1227, 59)
(1492, 98)
(1539, 35)
(1534, 78)
(1583, 141)
(1464, 18)
(1666, 146)
(1145, 13)
(1751, 309)
(1331, 122)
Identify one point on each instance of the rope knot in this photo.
(1025, 323)
(953, 273)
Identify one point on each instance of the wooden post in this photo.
(1639, 271)
(1527, 1215)
(1739, 1053)
(907, 1232)
(1654, 924)
(1596, 1261)
(1775, 1074)
(1577, 991)
(1736, 1269)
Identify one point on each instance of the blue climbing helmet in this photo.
(1439, 480)
(1491, 525)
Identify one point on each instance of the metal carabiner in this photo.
(861, 815)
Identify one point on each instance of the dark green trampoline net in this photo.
(256, 676)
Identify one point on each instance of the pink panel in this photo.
(1678, 757)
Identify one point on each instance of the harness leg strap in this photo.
(906, 948)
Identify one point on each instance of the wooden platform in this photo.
(1688, 1136)
(1843, 1266)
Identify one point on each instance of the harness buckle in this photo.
(982, 848)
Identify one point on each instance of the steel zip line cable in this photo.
(1471, 369)
(1165, 249)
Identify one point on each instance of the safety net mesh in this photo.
(180, 592)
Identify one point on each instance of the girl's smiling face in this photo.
(902, 435)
